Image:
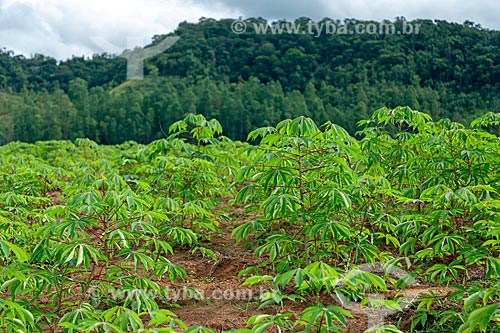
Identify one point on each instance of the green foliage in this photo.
(88, 231)
(94, 229)
(417, 188)
(448, 70)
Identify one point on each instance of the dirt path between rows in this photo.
(227, 305)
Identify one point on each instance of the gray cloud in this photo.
(20, 17)
(279, 9)
(62, 28)
(482, 11)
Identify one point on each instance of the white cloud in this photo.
(62, 28)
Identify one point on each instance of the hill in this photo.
(448, 70)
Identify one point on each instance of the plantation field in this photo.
(301, 229)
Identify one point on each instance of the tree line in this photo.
(448, 70)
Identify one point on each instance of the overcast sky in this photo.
(62, 28)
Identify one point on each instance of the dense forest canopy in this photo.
(448, 70)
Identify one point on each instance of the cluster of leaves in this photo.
(412, 193)
(88, 231)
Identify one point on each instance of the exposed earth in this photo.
(227, 304)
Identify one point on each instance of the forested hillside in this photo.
(448, 70)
